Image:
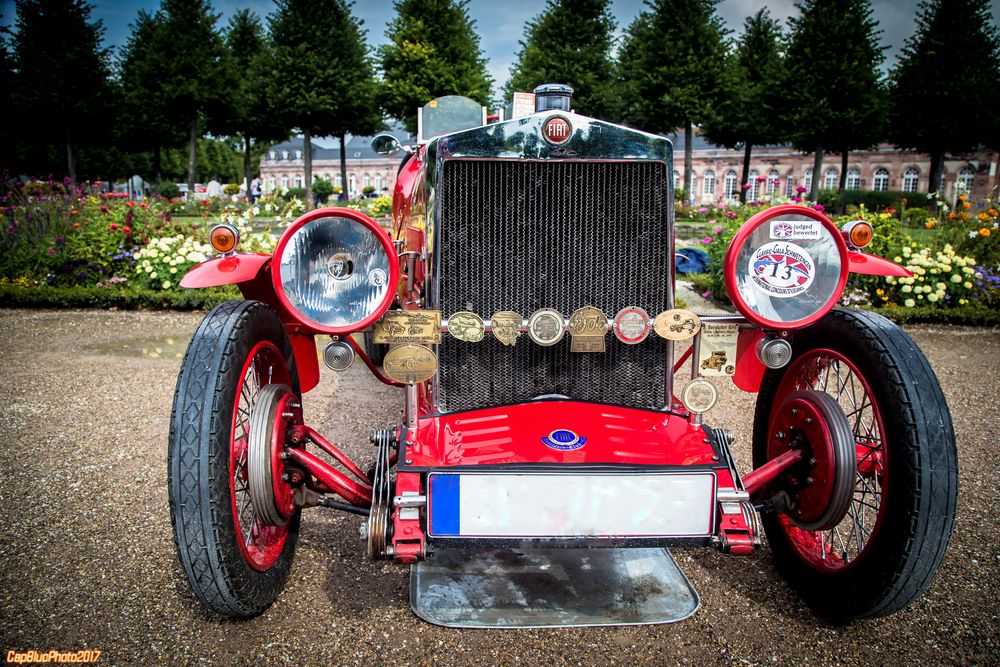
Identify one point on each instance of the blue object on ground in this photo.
(691, 260)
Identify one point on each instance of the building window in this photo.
(790, 185)
(338, 180)
(352, 188)
(731, 185)
(299, 182)
(284, 155)
(357, 155)
(880, 181)
(272, 155)
(773, 179)
(677, 180)
(284, 180)
(270, 183)
(298, 155)
(378, 182)
(853, 179)
(830, 179)
(709, 183)
(963, 185)
(366, 180)
(807, 180)
(910, 179)
(754, 185)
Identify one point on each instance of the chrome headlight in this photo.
(336, 270)
(786, 267)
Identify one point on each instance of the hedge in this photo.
(108, 297)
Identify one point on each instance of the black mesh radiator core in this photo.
(520, 236)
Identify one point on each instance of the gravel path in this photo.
(87, 560)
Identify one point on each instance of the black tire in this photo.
(199, 475)
(916, 478)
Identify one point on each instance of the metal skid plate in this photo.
(538, 588)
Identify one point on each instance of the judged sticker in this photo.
(781, 269)
(718, 349)
(796, 230)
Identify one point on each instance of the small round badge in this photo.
(699, 395)
(466, 326)
(676, 324)
(545, 326)
(632, 325)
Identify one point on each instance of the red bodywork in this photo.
(511, 436)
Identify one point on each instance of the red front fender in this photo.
(873, 265)
(229, 270)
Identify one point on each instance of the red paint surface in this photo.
(225, 270)
(513, 434)
(749, 368)
(873, 265)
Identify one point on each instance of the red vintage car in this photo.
(553, 393)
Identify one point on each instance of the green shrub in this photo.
(873, 200)
(168, 190)
(231, 189)
(322, 188)
(110, 297)
(368, 189)
(295, 193)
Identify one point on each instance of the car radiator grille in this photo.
(519, 236)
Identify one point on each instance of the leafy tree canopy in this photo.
(570, 42)
(321, 76)
(61, 91)
(834, 92)
(751, 113)
(945, 93)
(433, 50)
(671, 65)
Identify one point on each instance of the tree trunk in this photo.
(246, 162)
(817, 168)
(344, 195)
(934, 178)
(157, 167)
(688, 171)
(192, 156)
(841, 200)
(747, 150)
(307, 158)
(70, 163)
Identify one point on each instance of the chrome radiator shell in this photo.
(514, 223)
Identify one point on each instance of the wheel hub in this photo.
(270, 493)
(822, 485)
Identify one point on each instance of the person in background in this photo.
(254, 189)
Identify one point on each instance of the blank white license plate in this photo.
(571, 505)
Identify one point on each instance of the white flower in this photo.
(909, 303)
(173, 269)
(956, 278)
(932, 297)
(166, 284)
(967, 285)
(907, 288)
(153, 274)
(972, 235)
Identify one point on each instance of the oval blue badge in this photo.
(564, 440)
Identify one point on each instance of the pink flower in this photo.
(797, 200)
(113, 226)
(104, 209)
(718, 229)
(730, 214)
(746, 186)
(706, 294)
(127, 229)
(761, 179)
(51, 251)
(800, 189)
(819, 207)
(702, 209)
(707, 240)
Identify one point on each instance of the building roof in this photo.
(356, 147)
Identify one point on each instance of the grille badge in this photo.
(545, 326)
(676, 324)
(588, 326)
(467, 326)
(632, 325)
(556, 130)
(506, 326)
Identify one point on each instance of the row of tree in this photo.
(819, 86)
(307, 67)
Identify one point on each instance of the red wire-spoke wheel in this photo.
(235, 560)
(882, 550)
(261, 527)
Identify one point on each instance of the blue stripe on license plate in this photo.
(446, 496)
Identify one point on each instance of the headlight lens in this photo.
(336, 270)
(786, 267)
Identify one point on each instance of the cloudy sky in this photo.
(501, 24)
